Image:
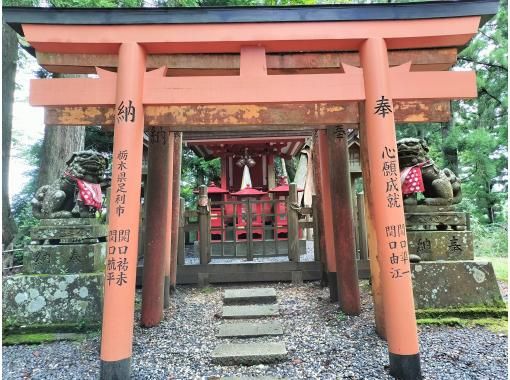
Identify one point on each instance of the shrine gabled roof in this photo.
(16, 16)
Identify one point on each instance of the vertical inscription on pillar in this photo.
(339, 133)
(159, 135)
(390, 171)
(120, 193)
(126, 112)
(397, 243)
(117, 262)
(382, 107)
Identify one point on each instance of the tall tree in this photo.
(481, 125)
(9, 60)
(9, 65)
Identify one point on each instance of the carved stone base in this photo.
(440, 220)
(441, 245)
(70, 234)
(46, 300)
(62, 284)
(427, 209)
(62, 259)
(443, 284)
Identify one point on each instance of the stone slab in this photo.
(442, 284)
(441, 245)
(250, 311)
(249, 330)
(249, 353)
(445, 220)
(252, 378)
(428, 209)
(52, 299)
(62, 259)
(69, 232)
(69, 221)
(249, 296)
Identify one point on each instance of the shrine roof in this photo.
(287, 146)
(16, 16)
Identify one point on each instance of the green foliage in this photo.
(99, 140)
(474, 145)
(481, 125)
(197, 171)
(207, 290)
(21, 207)
(96, 3)
(500, 265)
(20, 3)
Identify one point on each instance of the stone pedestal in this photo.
(62, 281)
(447, 275)
(452, 284)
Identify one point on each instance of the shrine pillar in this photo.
(343, 225)
(158, 197)
(176, 201)
(375, 272)
(169, 210)
(326, 217)
(387, 212)
(124, 219)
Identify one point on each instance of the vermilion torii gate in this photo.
(134, 35)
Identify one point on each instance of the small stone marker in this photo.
(250, 311)
(245, 330)
(249, 353)
(249, 296)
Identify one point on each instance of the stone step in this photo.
(249, 330)
(249, 353)
(249, 296)
(253, 378)
(250, 311)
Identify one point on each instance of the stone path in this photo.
(248, 304)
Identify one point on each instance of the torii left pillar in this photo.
(120, 275)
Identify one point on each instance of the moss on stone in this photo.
(470, 312)
(13, 328)
(451, 321)
(207, 290)
(13, 339)
(496, 325)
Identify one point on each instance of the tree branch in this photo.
(496, 66)
(484, 90)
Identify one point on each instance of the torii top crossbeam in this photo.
(131, 35)
(251, 32)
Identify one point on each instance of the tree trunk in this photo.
(59, 143)
(9, 60)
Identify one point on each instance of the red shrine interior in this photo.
(259, 155)
(262, 150)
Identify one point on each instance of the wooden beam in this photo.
(293, 116)
(228, 64)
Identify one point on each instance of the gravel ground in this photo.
(322, 344)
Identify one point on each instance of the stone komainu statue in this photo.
(441, 187)
(77, 193)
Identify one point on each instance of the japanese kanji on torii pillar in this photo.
(375, 83)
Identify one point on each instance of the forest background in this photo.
(474, 144)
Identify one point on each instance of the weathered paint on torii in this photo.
(375, 84)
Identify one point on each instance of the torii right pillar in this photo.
(388, 212)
